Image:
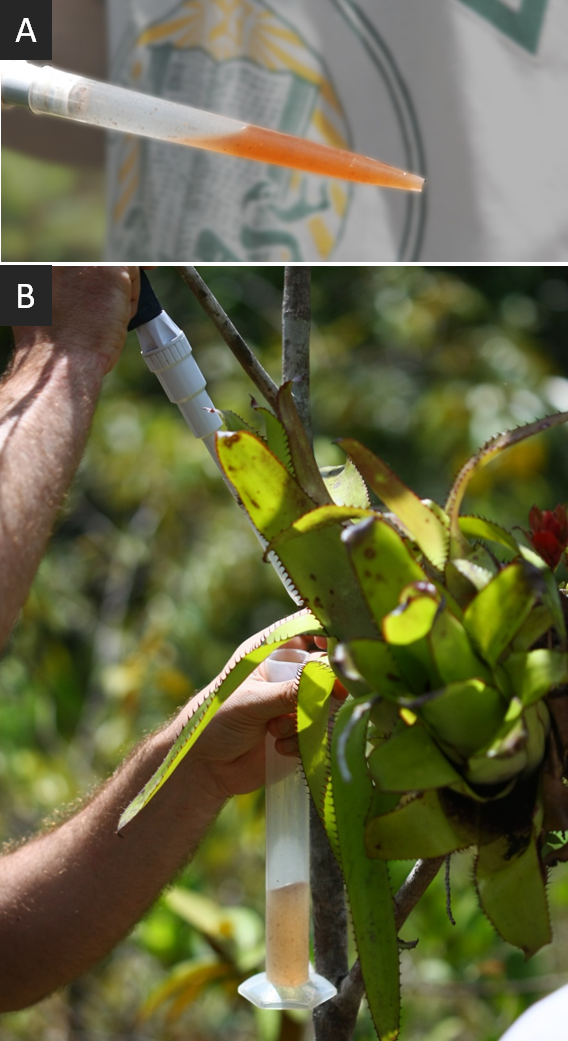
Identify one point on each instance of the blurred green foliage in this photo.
(153, 577)
(50, 212)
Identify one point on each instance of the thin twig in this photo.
(231, 336)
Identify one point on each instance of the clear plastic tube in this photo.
(52, 91)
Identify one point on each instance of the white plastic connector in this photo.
(167, 352)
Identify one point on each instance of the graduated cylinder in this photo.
(287, 854)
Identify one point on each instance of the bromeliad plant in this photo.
(449, 634)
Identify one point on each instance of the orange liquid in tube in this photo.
(271, 146)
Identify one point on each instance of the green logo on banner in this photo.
(522, 25)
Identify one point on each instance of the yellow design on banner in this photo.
(240, 58)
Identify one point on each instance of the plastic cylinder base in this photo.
(264, 994)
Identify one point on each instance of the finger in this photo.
(287, 746)
(282, 726)
(134, 273)
(339, 691)
(262, 701)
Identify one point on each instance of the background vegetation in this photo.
(51, 212)
(153, 577)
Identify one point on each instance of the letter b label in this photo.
(25, 294)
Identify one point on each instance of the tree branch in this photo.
(296, 318)
(329, 909)
(352, 988)
(231, 336)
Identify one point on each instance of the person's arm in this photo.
(47, 401)
(79, 45)
(67, 897)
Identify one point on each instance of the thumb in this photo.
(263, 701)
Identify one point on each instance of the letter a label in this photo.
(26, 30)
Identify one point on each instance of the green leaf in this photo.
(184, 985)
(383, 563)
(236, 931)
(464, 715)
(492, 448)
(415, 663)
(269, 494)
(478, 528)
(496, 614)
(345, 485)
(412, 618)
(303, 459)
(532, 675)
(411, 761)
(512, 892)
(236, 671)
(536, 625)
(277, 438)
(423, 524)
(316, 520)
(314, 691)
(453, 654)
(366, 879)
(234, 422)
(550, 595)
(419, 827)
(319, 565)
(374, 660)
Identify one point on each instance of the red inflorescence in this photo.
(549, 533)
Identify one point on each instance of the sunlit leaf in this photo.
(314, 691)
(345, 485)
(479, 528)
(496, 614)
(412, 618)
(209, 702)
(269, 493)
(533, 674)
(423, 524)
(383, 562)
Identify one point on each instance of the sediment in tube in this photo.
(287, 935)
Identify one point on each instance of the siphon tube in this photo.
(48, 90)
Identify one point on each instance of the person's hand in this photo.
(91, 309)
(232, 747)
